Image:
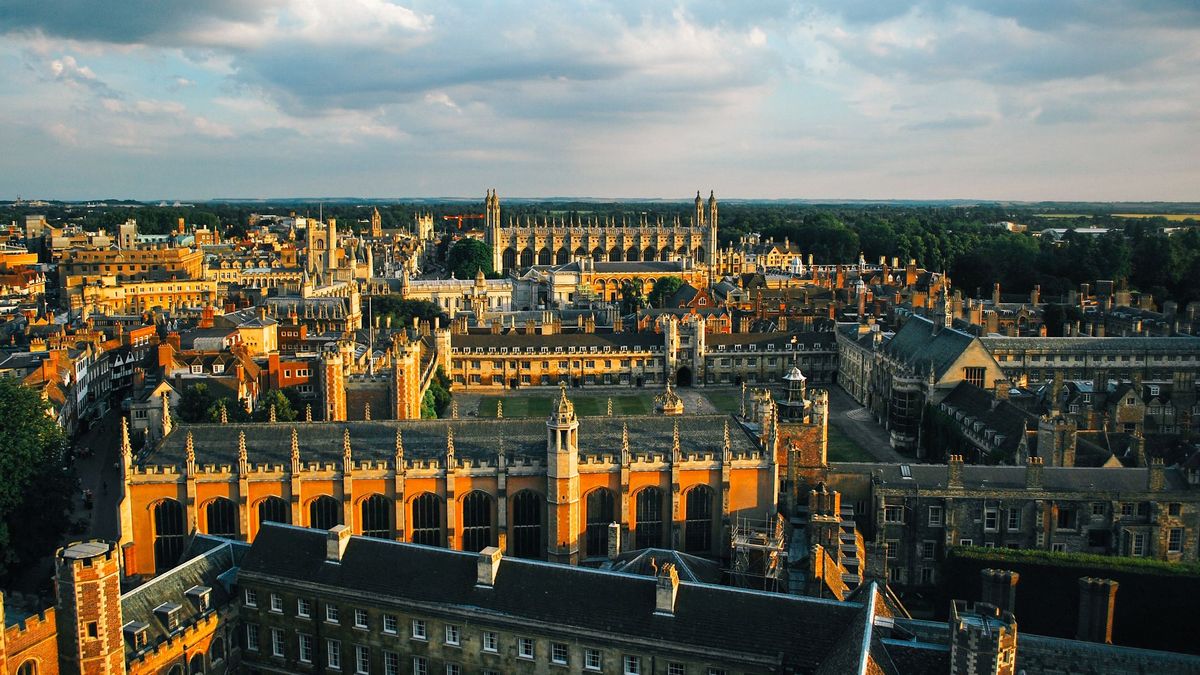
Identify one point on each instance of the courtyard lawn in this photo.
(585, 405)
(843, 449)
(727, 402)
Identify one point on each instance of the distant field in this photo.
(1169, 216)
(586, 406)
(1063, 215)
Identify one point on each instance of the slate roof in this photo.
(917, 346)
(522, 340)
(776, 339)
(1001, 417)
(1083, 480)
(477, 439)
(800, 632)
(213, 558)
(1182, 344)
(647, 561)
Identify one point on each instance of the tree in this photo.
(402, 311)
(664, 288)
(632, 298)
(36, 478)
(194, 402)
(437, 396)
(468, 256)
(284, 411)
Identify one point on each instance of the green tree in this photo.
(402, 311)
(437, 397)
(194, 402)
(284, 411)
(632, 298)
(664, 288)
(468, 256)
(36, 478)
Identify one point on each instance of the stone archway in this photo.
(683, 377)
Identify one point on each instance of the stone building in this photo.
(534, 488)
(1028, 360)
(552, 241)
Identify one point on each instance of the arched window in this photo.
(176, 670)
(614, 254)
(324, 512)
(221, 518)
(543, 257)
(169, 534)
(216, 651)
(598, 254)
(28, 668)
(197, 665)
(476, 521)
(509, 258)
(274, 510)
(527, 525)
(526, 257)
(698, 520)
(581, 252)
(631, 254)
(700, 253)
(649, 532)
(377, 517)
(427, 520)
(599, 515)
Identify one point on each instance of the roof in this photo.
(1000, 417)
(478, 439)
(647, 562)
(569, 339)
(1084, 480)
(918, 344)
(1106, 344)
(620, 606)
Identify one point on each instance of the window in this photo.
(1173, 509)
(1097, 508)
(698, 524)
(893, 549)
(524, 648)
(306, 648)
(928, 549)
(1127, 508)
(991, 519)
(966, 542)
(676, 669)
(251, 637)
(420, 666)
(927, 575)
(452, 636)
(276, 603)
(333, 654)
(935, 516)
(893, 514)
(418, 630)
(427, 520)
(1014, 519)
(633, 665)
(477, 521)
(974, 376)
(453, 669)
(490, 642)
(303, 608)
(591, 659)
(526, 513)
(648, 529)
(558, 653)
(277, 642)
(362, 659)
(1067, 519)
(251, 597)
(717, 671)
(391, 663)
(331, 613)
(1058, 547)
(360, 618)
(1175, 540)
(599, 515)
(389, 624)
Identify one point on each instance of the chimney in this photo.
(1002, 388)
(1033, 473)
(487, 567)
(1035, 296)
(614, 540)
(335, 543)
(1097, 599)
(668, 588)
(954, 471)
(1000, 588)
(995, 294)
(1157, 477)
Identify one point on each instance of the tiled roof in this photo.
(522, 340)
(978, 477)
(1080, 344)
(477, 439)
(918, 345)
(800, 632)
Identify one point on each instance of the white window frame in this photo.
(251, 597)
(593, 659)
(252, 637)
(555, 648)
(277, 603)
(391, 625)
(419, 631)
(941, 516)
(333, 654)
(361, 620)
(304, 642)
(391, 663)
(491, 642)
(277, 648)
(332, 615)
(420, 665)
(453, 635)
(303, 608)
(522, 652)
(362, 660)
(631, 665)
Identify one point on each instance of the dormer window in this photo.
(197, 369)
(218, 368)
(135, 632)
(1154, 390)
(201, 595)
(168, 613)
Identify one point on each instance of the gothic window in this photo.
(561, 257)
(527, 525)
(700, 253)
(614, 255)
(526, 257)
(377, 517)
(217, 651)
(324, 512)
(221, 518)
(599, 515)
(176, 670)
(509, 258)
(273, 510)
(477, 521)
(197, 665)
(28, 668)
(598, 254)
(974, 375)
(543, 257)
(631, 254)
(169, 534)
(649, 254)
(698, 523)
(427, 520)
(649, 528)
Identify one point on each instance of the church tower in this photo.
(699, 220)
(562, 481)
(711, 253)
(491, 227)
(376, 224)
(88, 588)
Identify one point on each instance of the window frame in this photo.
(522, 643)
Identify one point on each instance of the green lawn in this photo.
(728, 402)
(585, 406)
(843, 449)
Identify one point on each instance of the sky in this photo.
(837, 99)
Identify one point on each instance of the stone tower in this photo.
(376, 224)
(406, 379)
(88, 589)
(700, 219)
(562, 481)
(333, 387)
(711, 252)
(983, 640)
(491, 227)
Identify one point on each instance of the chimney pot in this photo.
(488, 566)
(668, 588)
(335, 543)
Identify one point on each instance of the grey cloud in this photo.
(956, 123)
(162, 22)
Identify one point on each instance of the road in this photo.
(854, 421)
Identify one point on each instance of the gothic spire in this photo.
(295, 454)
(449, 447)
(243, 464)
(624, 443)
(347, 457)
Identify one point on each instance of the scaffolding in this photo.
(760, 553)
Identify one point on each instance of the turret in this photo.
(562, 473)
(88, 617)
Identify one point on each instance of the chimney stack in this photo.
(954, 471)
(335, 543)
(1033, 473)
(1000, 588)
(1097, 599)
(1157, 477)
(668, 588)
(614, 540)
(487, 567)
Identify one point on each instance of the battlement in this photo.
(86, 554)
(30, 630)
(177, 642)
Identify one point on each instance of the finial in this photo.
(243, 465)
(610, 406)
(449, 447)
(727, 446)
(308, 412)
(346, 455)
(271, 414)
(499, 409)
(624, 442)
(189, 448)
(224, 413)
(675, 441)
(453, 409)
(367, 411)
(126, 446)
(399, 452)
